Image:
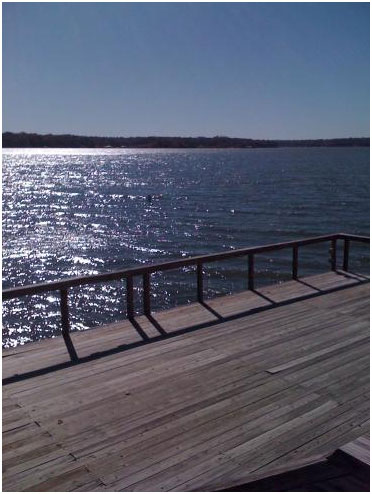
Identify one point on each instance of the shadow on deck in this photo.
(131, 333)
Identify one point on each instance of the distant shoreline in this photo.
(30, 140)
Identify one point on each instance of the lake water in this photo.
(71, 212)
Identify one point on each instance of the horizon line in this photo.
(159, 136)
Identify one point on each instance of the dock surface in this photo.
(200, 397)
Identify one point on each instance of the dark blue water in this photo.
(73, 212)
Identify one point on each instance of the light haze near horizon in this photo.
(254, 70)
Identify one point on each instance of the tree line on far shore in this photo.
(29, 140)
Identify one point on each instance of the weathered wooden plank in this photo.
(281, 445)
(32, 459)
(358, 449)
(67, 476)
(165, 475)
(332, 433)
(319, 353)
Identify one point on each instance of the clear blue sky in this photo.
(260, 70)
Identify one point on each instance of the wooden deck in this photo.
(346, 470)
(201, 397)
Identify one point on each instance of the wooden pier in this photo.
(208, 396)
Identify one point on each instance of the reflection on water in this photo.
(74, 212)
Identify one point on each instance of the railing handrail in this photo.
(356, 238)
(10, 293)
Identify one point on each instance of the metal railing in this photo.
(145, 271)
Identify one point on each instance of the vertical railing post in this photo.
(199, 270)
(146, 294)
(130, 305)
(295, 263)
(333, 254)
(250, 272)
(66, 325)
(346, 254)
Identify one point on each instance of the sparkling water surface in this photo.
(69, 212)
